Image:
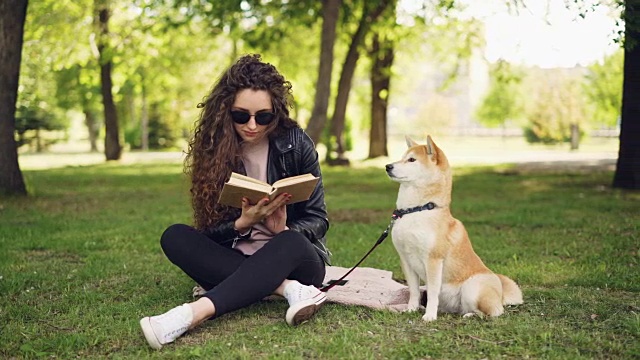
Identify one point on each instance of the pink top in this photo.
(254, 158)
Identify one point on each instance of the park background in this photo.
(531, 124)
(452, 69)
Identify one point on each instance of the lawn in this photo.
(81, 264)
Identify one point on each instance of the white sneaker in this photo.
(165, 328)
(304, 302)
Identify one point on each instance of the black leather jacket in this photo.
(290, 154)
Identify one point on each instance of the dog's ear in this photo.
(431, 146)
(434, 151)
(410, 141)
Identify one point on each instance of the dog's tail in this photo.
(511, 293)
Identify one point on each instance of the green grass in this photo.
(80, 263)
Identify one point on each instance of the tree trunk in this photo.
(330, 13)
(112, 148)
(144, 120)
(12, 16)
(344, 84)
(38, 140)
(627, 175)
(575, 136)
(382, 58)
(92, 127)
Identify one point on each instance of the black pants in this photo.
(233, 280)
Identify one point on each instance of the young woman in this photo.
(240, 256)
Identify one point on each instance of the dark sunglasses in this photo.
(242, 117)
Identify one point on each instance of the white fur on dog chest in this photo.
(410, 234)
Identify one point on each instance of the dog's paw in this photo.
(397, 308)
(429, 317)
(468, 315)
(411, 308)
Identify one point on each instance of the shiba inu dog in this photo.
(434, 246)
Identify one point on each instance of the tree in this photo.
(603, 87)
(438, 29)
(58, 67)
(555, 106)
(382, 54)
(381, 51)
(78, 87)
(112, 148)
(12, 18)
(284, 32)
(34, 117)
(161, 68)
(330, 13)
(502, 100)
(370, 13)
(37, 113)
(627, 175)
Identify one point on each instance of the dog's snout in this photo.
(389, 167)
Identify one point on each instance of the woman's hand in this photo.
(253, 214)
(277, 221)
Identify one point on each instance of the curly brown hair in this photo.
(214, 150)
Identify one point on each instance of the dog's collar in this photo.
(398, 213)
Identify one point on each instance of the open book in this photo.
(238, 186)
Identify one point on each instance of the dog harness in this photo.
(397, 213)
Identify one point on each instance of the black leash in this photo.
(397, 213)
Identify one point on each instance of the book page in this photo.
(293, 180)
(239, 186)
(300, 189)
(232, 194)
(236, 176)
(258, 186)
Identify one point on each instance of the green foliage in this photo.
(503, 102)
(603, 88)
(78, 87)
(451, 40)
(35, 120)
(555, 101)
(276, 21)
(162, 134)
(36, 117)
(302, 72)
(45, 51)
(552, 100)
(133, 137)
(330, 140)
(175, 65)
(438, 45)
(163, 71)
(82, 263)
(172, 67)
(169, 52)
